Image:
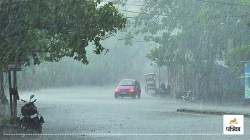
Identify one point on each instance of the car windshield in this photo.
(127, 83)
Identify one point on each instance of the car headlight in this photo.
(132, 90)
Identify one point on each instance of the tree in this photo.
(42, 30)
(192, 36)
(236, 56)
(50, 30)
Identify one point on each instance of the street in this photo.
(93, 113)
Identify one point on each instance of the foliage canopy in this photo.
(51, 29)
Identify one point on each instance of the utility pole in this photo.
(15, 94)
(1, 81)
(10, 92)
(13, 90)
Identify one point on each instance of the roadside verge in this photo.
(212, 112)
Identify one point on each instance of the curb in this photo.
(212, 112)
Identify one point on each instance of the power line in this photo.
(206, 1)
(135, 4)
(224, 3)
(136, 12)
(182, 16)
(179, 16)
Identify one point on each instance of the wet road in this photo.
(93, 113)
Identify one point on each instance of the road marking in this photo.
(112, 134)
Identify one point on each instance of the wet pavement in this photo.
(93, 113)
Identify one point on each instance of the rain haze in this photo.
(124, 69)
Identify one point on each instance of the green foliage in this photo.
(235, 58)
(50, 30)
(206, 29)
(164, 54)
(192, 36)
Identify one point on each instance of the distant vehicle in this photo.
(189, 96)
(163, 89)
(128, 88)
(150, 80)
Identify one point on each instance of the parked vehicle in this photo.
(163, 89)
(128, 88)
(30, 119)
(179, 94)
(189, 96)
(150, 81)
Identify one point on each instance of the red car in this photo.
(128, 88)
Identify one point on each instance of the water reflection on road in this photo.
(93, 110)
